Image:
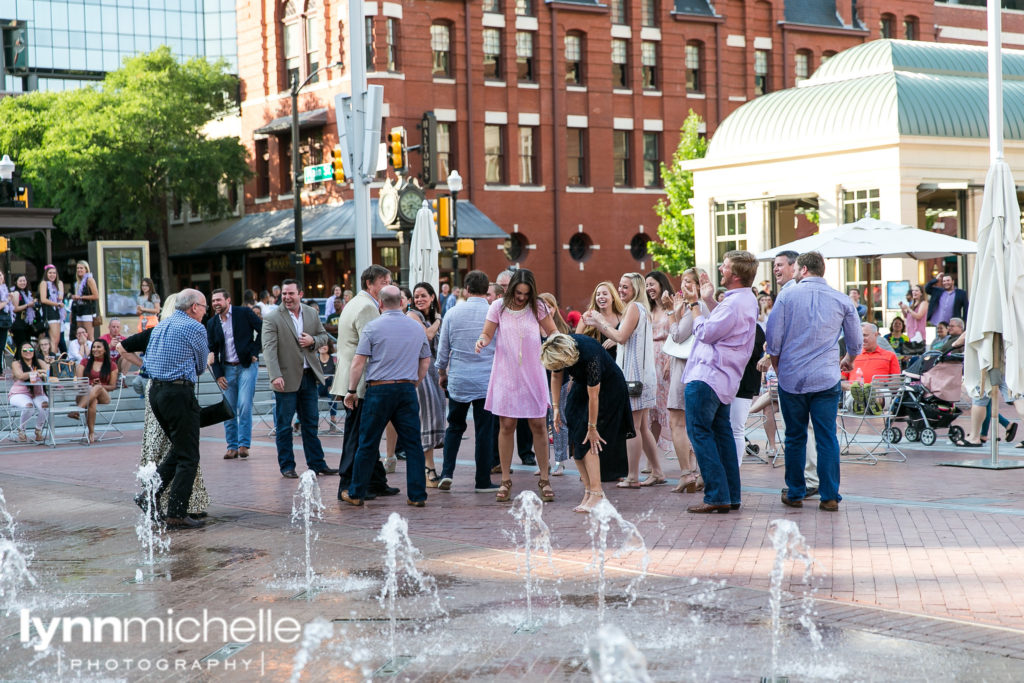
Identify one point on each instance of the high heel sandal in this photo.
(628, 483)
(432, 478)
(587, 508)
(687, 484)
(504, 491)
(546, 493)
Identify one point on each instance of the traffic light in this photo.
(465, 247)
(337, 166)
(396, 148)
(21, 195)
(4, 245)
(442, 215)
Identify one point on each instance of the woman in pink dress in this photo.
(518, 387)
(659, 295)
(915, 310)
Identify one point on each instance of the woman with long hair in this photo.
(28, 391)
(604, 300)
(559, 435)
(681, 331)
(427, 311)
(6, 316)
(147, 305)
(85, 297)
(635, 355)
(51, 299)
(765, 302)
(102, 374)
(24, 306)
(659, 297)
(518, 387)
(915, 310)
(45, 352)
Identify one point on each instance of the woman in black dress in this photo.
(597, 412)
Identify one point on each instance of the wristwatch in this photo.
(351, 391)
(695, 304)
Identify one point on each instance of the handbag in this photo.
(64, 368)
(635, 389)
(216, 413)
(39, 326)
(678, 350)
(6, 319)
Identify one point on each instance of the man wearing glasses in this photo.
(175, 358)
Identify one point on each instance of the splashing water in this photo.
(149, 528)
(6, 519)
(401, 555)
(789, 544)
(308, 506)
(527, 509)
(601, 517)
(14, 575)
(314, 633)
(615, 659)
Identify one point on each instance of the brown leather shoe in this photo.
(182, 523)
(417, 503)
(786, 500)
(243, 451)
(357, 502)
(231, 454)
(705, 509)
(829, 505)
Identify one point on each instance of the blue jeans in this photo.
(241, 389)
(710, 432)
(484, 431)
(303, 401)
(397, 404)
(819, 408)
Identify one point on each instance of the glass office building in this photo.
(61, 44)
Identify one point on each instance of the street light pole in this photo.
(455, 186)
(299, 255)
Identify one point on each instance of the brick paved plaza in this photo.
(917, 577)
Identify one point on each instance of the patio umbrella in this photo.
(424, 249)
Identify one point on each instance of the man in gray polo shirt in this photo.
(394, 351)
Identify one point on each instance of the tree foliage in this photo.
(109, 157)
(673, 252)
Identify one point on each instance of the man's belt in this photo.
(182, 382)
(378, 382)
(227, 362)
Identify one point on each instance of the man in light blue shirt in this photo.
(466, 374)
(802, 340)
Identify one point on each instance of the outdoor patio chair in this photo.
(755, 428)
(865, 422)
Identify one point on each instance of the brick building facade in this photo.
(555, 113)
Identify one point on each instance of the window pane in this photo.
(493, 154)
(573, 48)
(444, 149)
(620, 158)
(620, 51)
(526, 156)
(440, 42)
(575, 156)
(524, 8)
(652, 160)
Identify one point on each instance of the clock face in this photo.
(409, 203)
(387, 207)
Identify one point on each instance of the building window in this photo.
(730, 228)
(802, 65)
(618, 11)
(693, 59)
(445, 154)
(494, 155)
(492, 54)
(441, 49)
(910, 28)
(649, 13)
(524, 8)
(392, 44)
(887, 26)
(527, 155)
(574, 59)
(301, 41)
(311, 152)
(262, 155)
(370, 54)
(580, 246)
(620, 158)
(859, 204)
(575, 154)
(652, 160)
(760, 72)
(492, 6)
(638, 246)
(525, 64)
(649, 64)
(620, 63)
(827, 55)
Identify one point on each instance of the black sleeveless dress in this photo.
(614, 418)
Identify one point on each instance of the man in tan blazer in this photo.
(363, 308)
(291, 336)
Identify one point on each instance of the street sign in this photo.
(317, 173)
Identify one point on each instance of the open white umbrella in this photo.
(995, 325)
(870, 238)
(424, 249)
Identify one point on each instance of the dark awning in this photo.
(325, 224)
(283, 124)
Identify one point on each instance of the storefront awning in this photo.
(325, 224)
(283, 124)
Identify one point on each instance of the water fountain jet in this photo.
(601, 517)
(307, 506)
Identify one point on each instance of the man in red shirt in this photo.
(873, 360)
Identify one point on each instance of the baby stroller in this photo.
(929, 401)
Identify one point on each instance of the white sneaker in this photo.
(445, 484)
(390, 463)
(558, 470)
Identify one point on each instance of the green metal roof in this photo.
(882, 88)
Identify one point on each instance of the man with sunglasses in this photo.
(175, 357)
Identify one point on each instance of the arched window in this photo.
(887, 26)
(441, 49)
(574, 51)
(910, 28)
(302, 40)
(802, 65)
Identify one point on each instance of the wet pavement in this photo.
(917, 577)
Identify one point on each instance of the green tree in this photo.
(673, 252)
(111, 157)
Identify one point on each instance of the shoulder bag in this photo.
(217, 412)
(635, 389)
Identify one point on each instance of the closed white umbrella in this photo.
(424, 250)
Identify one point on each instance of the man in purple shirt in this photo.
(723, 341)
(802, 340)
(945, 302)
